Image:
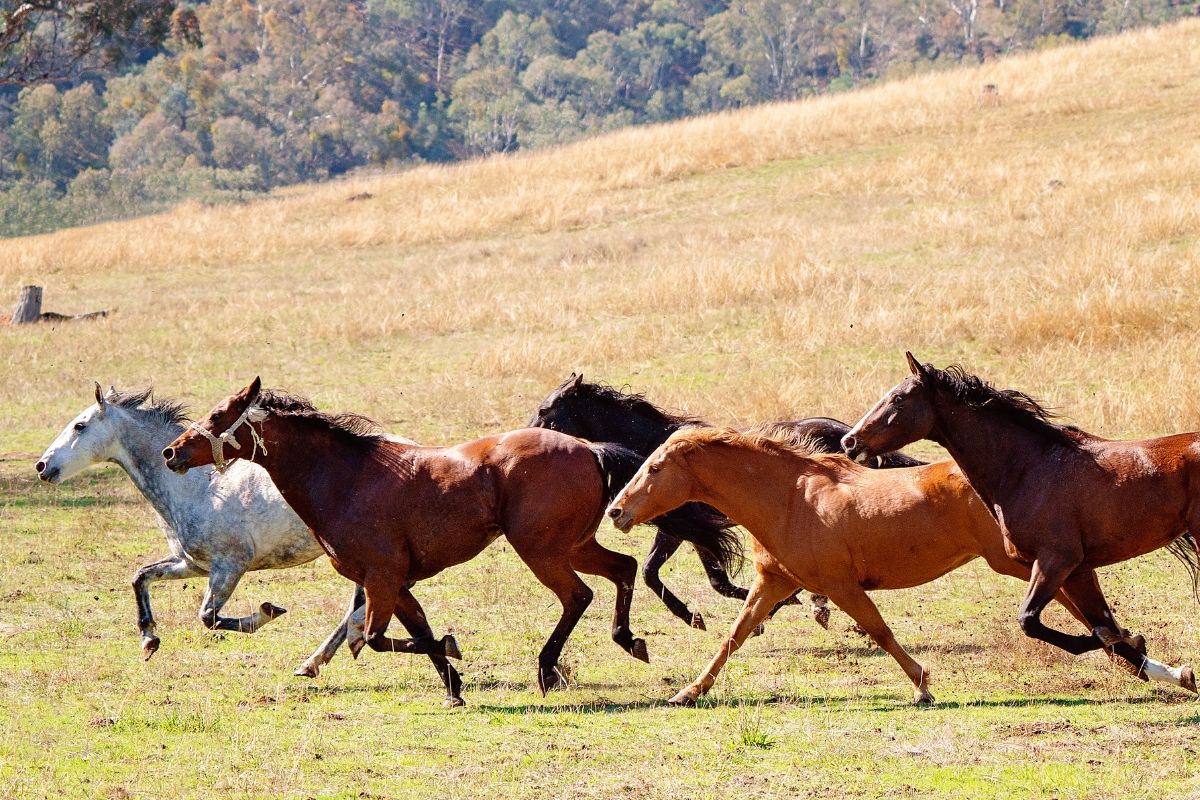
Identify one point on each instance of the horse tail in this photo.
(1185, 549)
(618, 464)
(701, 525)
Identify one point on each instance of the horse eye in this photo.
(80, 426)
(653, 469)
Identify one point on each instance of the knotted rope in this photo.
(251, 414)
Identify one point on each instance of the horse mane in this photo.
(631, 401)
(976, 393)
(164, 409)
(773, 437)
(290, 405)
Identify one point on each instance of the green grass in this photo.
(800, 712)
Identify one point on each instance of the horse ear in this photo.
(112, 390)
(253, 389)
(575, 380)
(913, 365)
(99, 396)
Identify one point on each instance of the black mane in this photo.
(636, 403)
(976, 393)
(290, 405)
(171, 412)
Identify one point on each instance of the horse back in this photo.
(543, 479)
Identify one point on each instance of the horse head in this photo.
(228, 425)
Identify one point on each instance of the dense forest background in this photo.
(219, 100)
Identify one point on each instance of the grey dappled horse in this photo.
(222, 525)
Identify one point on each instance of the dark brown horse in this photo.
(391, 514)
(822, 522)
(1067, 502)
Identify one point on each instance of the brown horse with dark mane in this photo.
(823, 523)
(1068, 502)
(391, 514)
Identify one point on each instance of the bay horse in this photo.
(391, 514)
(1067, 501)
(602, 413)
(824, 523)
(218, 525)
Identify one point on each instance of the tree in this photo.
(52, 40)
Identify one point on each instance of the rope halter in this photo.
(251, 414)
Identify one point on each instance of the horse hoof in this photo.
(149, 647)
(1187, 679)
(1138, 643)
(450, 647)
(454, 702)
(821, 615)
(549, 680)
(271, 611)
(683, 699)
(639, 651)
(698, 621)
(307, 671)
(356, 647)
(759, 630)
(924, 699)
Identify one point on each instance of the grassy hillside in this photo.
(775, 262)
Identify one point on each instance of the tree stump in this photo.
(29, 307)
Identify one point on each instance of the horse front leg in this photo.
(1083, 588)
(1049, 574)
(383, 598)
(413, 618)
(168, 569)
(222, 580)
(768, 589)
(323, 654)
(662, 548)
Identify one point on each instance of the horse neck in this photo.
(752, 487)
(992, 451)
(309, 465)
(139, 442)
(634, 429)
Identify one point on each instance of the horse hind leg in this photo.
(222, 580)
(1047, 577)
(172, 568)
(311, 667)
(596, 559)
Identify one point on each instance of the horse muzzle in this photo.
(47, 473)
(622, 520)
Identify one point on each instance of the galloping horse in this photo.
(604, 414)
(391, 514)
(220, 525)
(1068, 502)
(824, 523)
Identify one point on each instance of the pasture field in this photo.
(775, 262)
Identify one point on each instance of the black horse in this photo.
(604, 414)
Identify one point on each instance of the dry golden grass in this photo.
(741, 266)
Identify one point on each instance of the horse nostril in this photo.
(40, 467)
(849, 443)
(614, 512)
(169, 453)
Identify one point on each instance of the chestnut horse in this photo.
(601, 413)
(1067, 502)
(823, 523)
(391, 514)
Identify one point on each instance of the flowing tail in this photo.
(701, 525)
(1185, 549)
